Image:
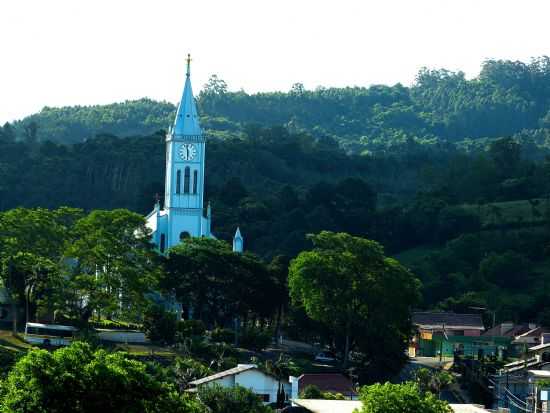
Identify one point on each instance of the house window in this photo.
(195, 179)
(186, 179)
(162, 242)
(178, 181)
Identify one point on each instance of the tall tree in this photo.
(217, 283)
(111, 264)
(344, 280)
(31, 246)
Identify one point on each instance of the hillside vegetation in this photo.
(442, 107)
(453, 167)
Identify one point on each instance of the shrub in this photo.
(222, 335)
(231, 400)
(333, 396)
(114, 324)
(190, 328)
(159, 325)
(397, 398)
(255, 339)
(7, 360)
(187, 370)
(79, 380)
(311, 392)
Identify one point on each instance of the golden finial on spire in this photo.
(188, 64)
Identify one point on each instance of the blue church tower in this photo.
(183, 212)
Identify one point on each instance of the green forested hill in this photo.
(452, 172)
(441, 107)
(73, 124)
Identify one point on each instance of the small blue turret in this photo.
(238, 242)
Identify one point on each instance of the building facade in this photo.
(249, 376)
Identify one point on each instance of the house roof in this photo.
(330, 382)
(540, 347)
(501, 330)
(535, 332)
(433, 320)
(519, 362)
(231, 372)
(522, 365)
(542, 374)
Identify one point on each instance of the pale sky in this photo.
(69, 52)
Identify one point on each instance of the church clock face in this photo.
(187, 151)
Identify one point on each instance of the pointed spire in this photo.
(238, 241)
(238, 234)
(188, 74)
(187, 118)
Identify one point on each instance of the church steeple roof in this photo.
(187, 117)
(238, 234)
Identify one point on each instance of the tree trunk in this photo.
(346, 349)
(85, 316)
(14, 316)
(278, 323)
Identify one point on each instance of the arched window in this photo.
(195, 179)
(184, 235)
(186, 179)
(178, 181)
(162, 242)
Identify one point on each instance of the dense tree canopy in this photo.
(218, 284)
(346, 282)
(398, 398)
(414, 168)
(78, 379)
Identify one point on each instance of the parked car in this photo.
(326, 357)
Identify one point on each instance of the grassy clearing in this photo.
(528, 212)
(145, 350)
(13, 343)
(414, 255)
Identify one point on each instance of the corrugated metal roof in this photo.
(449, 320)
(497, 331)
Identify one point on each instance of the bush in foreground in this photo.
(77, 379)
(231, 400)
(398, 398)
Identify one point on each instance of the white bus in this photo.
(49, 334)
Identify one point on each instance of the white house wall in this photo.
(227, 381)
(259, 383)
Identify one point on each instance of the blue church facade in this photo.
(183, 213)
